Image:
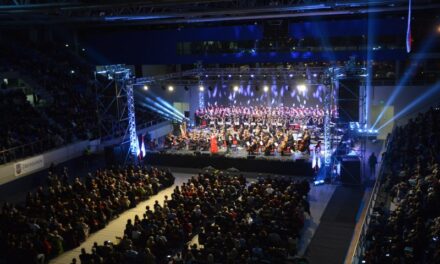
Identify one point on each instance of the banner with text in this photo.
(29, 165)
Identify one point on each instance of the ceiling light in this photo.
(266, 88)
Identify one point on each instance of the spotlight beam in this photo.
(434, 89)
(163, 108)
(406, 76)
(370, 43)
(163, 114)
(163, 105)
(169, 106)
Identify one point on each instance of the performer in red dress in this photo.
(214, 147)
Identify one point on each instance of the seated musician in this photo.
(169, 139)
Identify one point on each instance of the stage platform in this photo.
(295, 164)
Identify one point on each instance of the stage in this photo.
(296, 164)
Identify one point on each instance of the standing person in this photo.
(316, 163)
(214, 146)
(372, 161)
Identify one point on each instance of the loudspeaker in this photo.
(351, 171)
(348, 100)
(186, 113)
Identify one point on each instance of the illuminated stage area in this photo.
(270, 114)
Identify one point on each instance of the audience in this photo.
(23, 126)
(262, 227)
(408, 231)
(259, 223)
(62, 215)
(163, 230)
(65, 109)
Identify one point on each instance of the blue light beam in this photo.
(434, 89)
(406, 76)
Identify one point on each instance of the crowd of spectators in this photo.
(235, 223)
(407, 229)
(70, 98)
(23, 126)
(162, 231)
(262, 227)
(63, 214)
(64, 90)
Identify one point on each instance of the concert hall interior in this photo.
(219, 131)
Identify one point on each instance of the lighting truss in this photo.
(199, 11)
(208, 75)
(330, 79)
(117, 106)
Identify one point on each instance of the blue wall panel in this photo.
(358, 27)
(160, 46)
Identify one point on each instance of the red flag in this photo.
(408, 30)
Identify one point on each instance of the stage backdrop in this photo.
(280, 93)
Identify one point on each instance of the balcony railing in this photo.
(361, 243)
(28, 150)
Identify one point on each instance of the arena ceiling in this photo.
(32, 12)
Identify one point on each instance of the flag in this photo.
(408, 30)
(143, 147)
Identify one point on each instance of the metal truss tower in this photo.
(115, 105)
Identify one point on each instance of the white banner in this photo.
(29, 165)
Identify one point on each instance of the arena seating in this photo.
(63, 214)
(23, 127)
(67, 110)
(405, 227)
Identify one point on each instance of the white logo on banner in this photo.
(29, 165)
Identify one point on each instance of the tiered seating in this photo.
(23, 130)
(408, 230)
(62, 215)
(70, 105)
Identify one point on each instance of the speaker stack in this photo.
(351, 170)
(348, 100)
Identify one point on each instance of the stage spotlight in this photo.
(229, 75)
(315, 75)
(265, 88)
(201, 88)
(301, 87)
(66, 45)
(236, 88)
(145, 87)
(170, 88)
(83, 49)
(291, 75)
(252, 76)
(438, 29)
